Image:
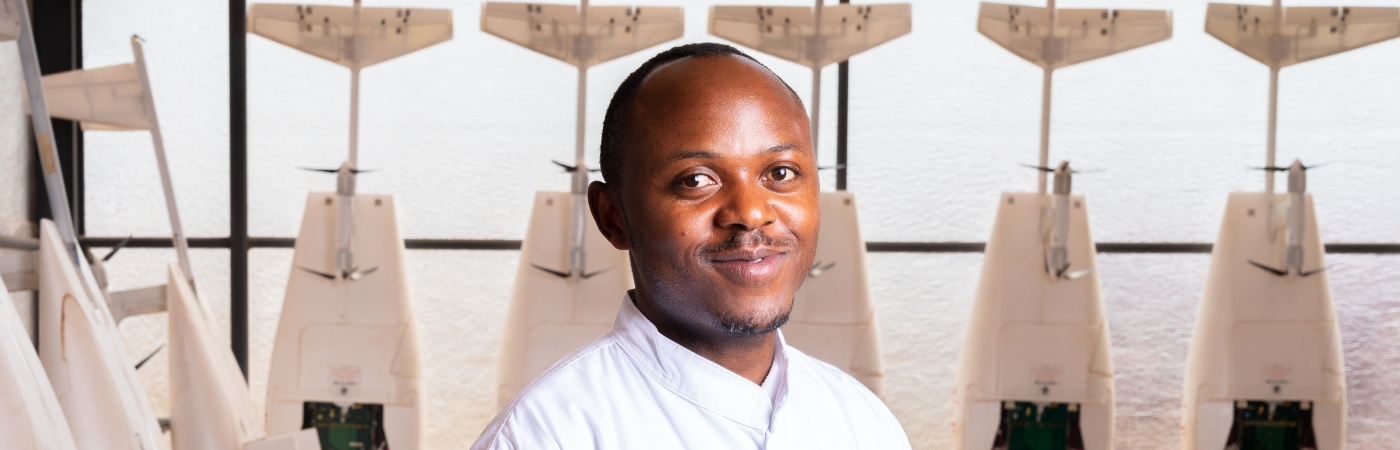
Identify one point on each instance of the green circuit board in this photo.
(357, 427)
(1028, 426)
(1261, 425)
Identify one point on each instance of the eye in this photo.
(697, 180)
(782, 174)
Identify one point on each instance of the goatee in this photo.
(751, 326)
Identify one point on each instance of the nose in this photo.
(747, 207)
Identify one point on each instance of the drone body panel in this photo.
(1033, 337)
(348, 341)
(833, 316)
(551, 316)
(1260, 336)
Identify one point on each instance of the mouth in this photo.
(749, 264)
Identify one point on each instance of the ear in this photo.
(607, 214)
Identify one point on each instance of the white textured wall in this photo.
(16, 167)
(462, 134)
(15, 154)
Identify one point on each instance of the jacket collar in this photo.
(694, 378)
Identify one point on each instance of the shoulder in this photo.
(861, 409)
(562, 401)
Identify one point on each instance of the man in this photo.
(710, 182)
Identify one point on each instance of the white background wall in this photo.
(462, 134)
(15, 167)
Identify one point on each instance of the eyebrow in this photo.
(702, 154)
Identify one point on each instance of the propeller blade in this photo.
(148, 357)
(590, 275)
(313, 169)
(567, 168)
(1311, 272)
(322, 274)
(1285, 169)
(113, 251)
(98, 270)
(1075, 275)
(1052, 169)
(838, 166)
(356, 275)
(818, 269)
(572, 169)
(550, 271)
(1278, 272)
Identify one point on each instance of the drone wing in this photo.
(1246, 28)
(9, 20)
(619, 31)
(333, 33)
(781, 31)
(1078, 35)
(1020, 29)
(1090, 34)
(1327, 31)
(791, 32)
(547, 29)
(1307, 33)
(558, 31)
(107, 98)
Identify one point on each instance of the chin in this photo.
(755, 316)
(753, 328)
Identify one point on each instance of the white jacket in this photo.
(637, 389)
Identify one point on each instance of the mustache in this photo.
(749, 239)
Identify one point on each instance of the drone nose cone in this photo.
(1297, 177)
(345, 181)
(1062, 179)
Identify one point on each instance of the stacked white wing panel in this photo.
(33, 418)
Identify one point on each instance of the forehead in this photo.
(724, 102)
(699, 82)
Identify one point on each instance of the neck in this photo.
(750, 357)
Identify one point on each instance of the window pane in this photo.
(186, 47)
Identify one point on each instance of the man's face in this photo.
(718, 196)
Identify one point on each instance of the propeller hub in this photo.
(1063, 176)
(345, 180)
(1297, 177)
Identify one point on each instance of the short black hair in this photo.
(617, 123)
